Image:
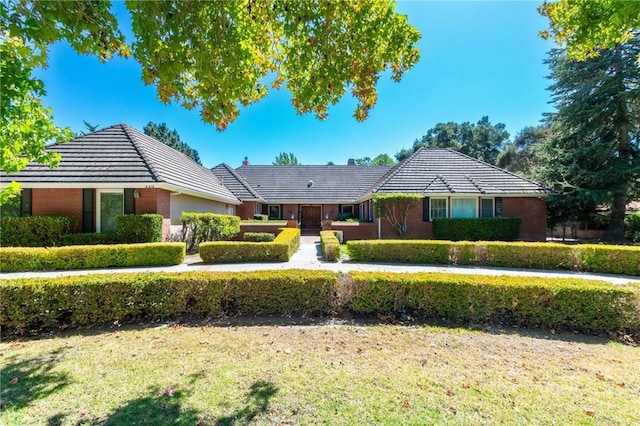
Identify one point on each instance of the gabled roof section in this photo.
(236, 183)
(121, 154)
(311, 184)
(445, 171)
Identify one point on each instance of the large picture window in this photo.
(464, 207)
(110, 204)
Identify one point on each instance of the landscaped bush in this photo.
(261, 217)
(477, 229)
(21, 259)
(32, 305)
(200, 227)
(258, 237)
(527, 301)
(593, 258)
(139, 228)
(279, 250)
(35, 231)
(632, 227)
(330, 245)
(89, 238)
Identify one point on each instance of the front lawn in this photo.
(224, 374)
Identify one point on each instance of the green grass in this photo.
(325, 373)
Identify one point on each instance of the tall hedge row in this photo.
(583, 257)
(32, 305)
(477, 229)
(279, 250)
(22, 259)
(35, 231)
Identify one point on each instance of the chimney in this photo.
(245, 162)
(351, 162)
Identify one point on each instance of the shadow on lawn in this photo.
(255, 405)
(29, 380)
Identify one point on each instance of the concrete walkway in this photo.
(309, 256)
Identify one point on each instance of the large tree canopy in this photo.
(286, 159)
(217, 56)
(588, 26)
(171, 138)
(592, 155)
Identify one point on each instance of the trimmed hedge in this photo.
(330, 245)
(22, 259)
(477, 229)
(584, 257)
(89, 239)
(280, 250)
(526, 301)
(201, 227)
(35, 231)
(258, 237)
(32, 305)
(139, 228)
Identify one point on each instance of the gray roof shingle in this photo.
(440, 170)
(236, 183)
(122, 154)
(330, 184)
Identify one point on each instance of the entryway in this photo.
(310, 218)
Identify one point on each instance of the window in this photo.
(464, 207)
(274, 212)
(110, 204)
(347, 209)
(258, 208)
(486, 207)
(438, 208)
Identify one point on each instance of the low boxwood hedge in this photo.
(573, 304)
(279, 250)
(258, 237)
(31, 305)
(22, 259)
(583, 257)
(330, 245)
(90, 238)
(35, 231)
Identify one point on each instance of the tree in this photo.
(25, 124)
(589, 26)
(171, 138)
(330, 163)
(213, 56)
(286, 159)
(403, 154)
(482, 140)
(592, 155)
(520, 155)
(395, 208)
(379, 160)
(364, 161)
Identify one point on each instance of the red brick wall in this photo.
(246, 210)
(58, 202)
(158, 201)
(532, 211)
(356, 231)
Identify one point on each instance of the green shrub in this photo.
(526, 301)
(279, 250)
(33, 305)
(261, 217)
(35, 231)
(21, 259)
(258, 237)
(344, 216)
(200, 227)
(90, 238)
(330, 245)
(593, 258)
(139, 228)
(632, 227)
(477, 229)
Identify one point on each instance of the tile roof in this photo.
(311, 184)
(121, 154)
(236, 183)
(440, 170)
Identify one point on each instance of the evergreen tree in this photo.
(171, 138)
(286, 159)
(592, 155)
(520, 156)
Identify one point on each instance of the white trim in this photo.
(446, 207)
(99, 192)
(475, 200)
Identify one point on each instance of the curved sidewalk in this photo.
(309, 256)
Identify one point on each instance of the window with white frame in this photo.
(274, 211)
(486, 207)
(464, 207)
(437, 208)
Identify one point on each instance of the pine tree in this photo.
(592, 155)
(171, 138)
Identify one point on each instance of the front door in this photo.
(311, 216)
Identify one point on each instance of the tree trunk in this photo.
(615, 230)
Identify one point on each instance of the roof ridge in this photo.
(393, 171)
(476, 184)
(141, 151)
(242, 180)
(446, 183)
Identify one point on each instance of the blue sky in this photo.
(478, 58)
